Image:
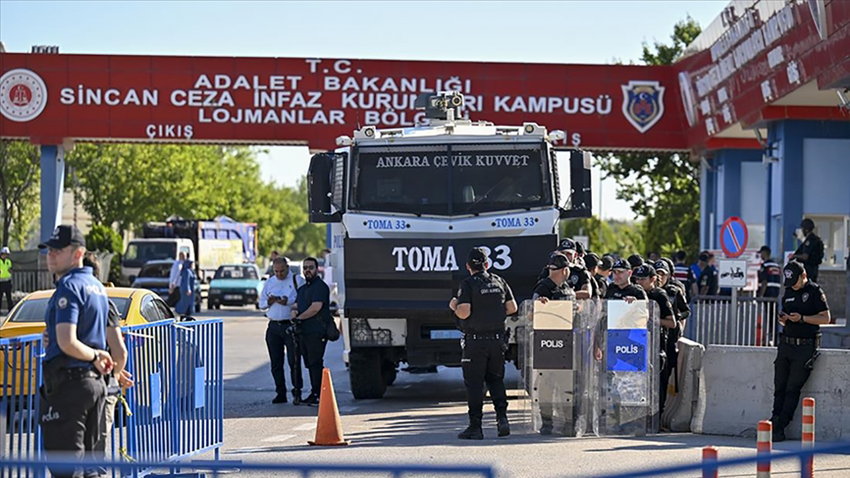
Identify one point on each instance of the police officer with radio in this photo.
(811, 250)
(74, 392)
(482, 304)
(803, 310)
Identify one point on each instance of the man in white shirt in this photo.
(278, 299)
(174, 280)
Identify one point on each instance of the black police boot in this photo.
(546, 428)
(503, 426)
(778, 433)
(296, 397)
(472, 432)
(279, 398)
(312, 400)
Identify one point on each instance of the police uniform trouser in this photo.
(72, 422)
(281, 346)
(670, 358)
(791, 370)
(312, 348)
(484, 362)
(6, 291)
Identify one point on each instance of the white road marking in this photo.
(305, 427)
(278, 438)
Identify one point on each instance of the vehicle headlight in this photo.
(251, 291)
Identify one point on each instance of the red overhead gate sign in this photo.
(47, 98)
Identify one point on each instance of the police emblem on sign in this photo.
(643, 103)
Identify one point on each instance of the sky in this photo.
(596, 32)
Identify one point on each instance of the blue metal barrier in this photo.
(176, 408)
(20, 379)
(174, 411)
(214, 467)
(803, 455)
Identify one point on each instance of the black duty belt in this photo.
(484, 336)
(784, 339)
(281, 322)
(79, 373)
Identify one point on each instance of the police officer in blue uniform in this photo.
(804, 309)
(482, 304)
(74, 391)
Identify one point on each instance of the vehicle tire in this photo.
(365, 375)
(389, 371)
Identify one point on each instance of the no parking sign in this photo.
(734, 237)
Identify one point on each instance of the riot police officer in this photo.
(74, 392)
(482, 304)
(645, 276)
(622, 287)
(553, 287)
(803, 310)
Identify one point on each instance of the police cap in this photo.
(477, 256)
(63, 236)
(567, 245)
(644, 270)
(793, 271)
(557, 262)
(635, 260)
(591, 260)
(661, 267)
(621, 264)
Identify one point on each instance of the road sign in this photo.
(732, 273)
(734, 237)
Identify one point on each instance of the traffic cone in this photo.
(329, 426)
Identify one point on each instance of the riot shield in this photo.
(632, 364)
(552, 360)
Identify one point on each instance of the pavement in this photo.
(418, 420)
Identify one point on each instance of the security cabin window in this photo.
(431, 180)
(833, 231)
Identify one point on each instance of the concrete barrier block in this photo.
(739, 392)
(685, 409)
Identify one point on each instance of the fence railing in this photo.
(31, 280)
(20, 435)
(174, 410)
(752, 322)
(216, 467)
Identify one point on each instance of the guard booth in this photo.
(590, 367)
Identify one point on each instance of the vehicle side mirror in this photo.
(321, 178)
(207, 280)
(579, 199)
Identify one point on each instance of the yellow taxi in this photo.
(136, 306)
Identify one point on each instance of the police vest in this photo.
(5, 269)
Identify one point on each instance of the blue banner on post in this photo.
(627, 350)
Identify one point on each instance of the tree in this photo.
(611, 237)
(310, 238)
(663, 188)
(20, 173)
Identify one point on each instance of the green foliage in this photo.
(605, 237)
(20, 173)
(663, 188)
(104, 239)
(128, 185)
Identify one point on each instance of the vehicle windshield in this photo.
(476, 178)
(34, 310)
(235, 272)
(138, 253)
(158, 271)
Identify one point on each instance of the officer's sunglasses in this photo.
(309, 268)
